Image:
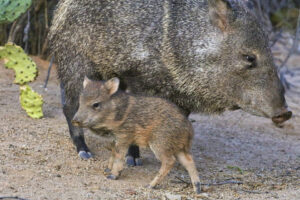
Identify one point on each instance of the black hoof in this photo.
(150, 187)
(84, 155)
(198, 188)
(138, 162)
(130, 161)
(112, 177)
(107, 170)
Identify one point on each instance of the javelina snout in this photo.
(283, 115)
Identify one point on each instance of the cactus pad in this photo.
(31, 102)
(12, 9)
(15, 58)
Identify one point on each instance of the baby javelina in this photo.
(144, 121)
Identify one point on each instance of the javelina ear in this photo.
(220, 13)
(112, 85)
(86, 81)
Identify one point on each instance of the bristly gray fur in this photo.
(191, 52)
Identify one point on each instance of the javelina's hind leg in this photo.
(133, 156)
(187, 161)
(167, 163)
(70, 107)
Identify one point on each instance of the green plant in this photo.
(10, 10)
(15, 58)
(31, 101)
(236, 168)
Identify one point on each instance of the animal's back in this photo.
(131, 39)
(109, 33)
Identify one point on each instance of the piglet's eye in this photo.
(96, 105)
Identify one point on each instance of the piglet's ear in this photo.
(112, 85)
(86, 81)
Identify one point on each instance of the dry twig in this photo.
(49, 70)
(18, 198)
(252, 191)
(229, 181)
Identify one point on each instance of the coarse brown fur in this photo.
(144, 121)
(204, 56)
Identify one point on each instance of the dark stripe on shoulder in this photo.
(122, 108)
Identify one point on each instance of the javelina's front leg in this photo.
(119, 153)
(110, 163)
(70, 107)
(111, 160)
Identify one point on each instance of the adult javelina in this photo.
(204, 56)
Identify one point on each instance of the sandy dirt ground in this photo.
(238, 156)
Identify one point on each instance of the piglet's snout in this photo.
(76, 121)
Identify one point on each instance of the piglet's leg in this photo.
(187, 161)
(167, 162)
(111, 160)
(120, 151)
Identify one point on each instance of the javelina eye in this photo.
(251, 59)
(96, 105)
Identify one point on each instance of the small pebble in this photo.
(170, 196)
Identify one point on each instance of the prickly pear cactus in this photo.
(31, 102)
(16, 59)
(25, 71)
(12, 9)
